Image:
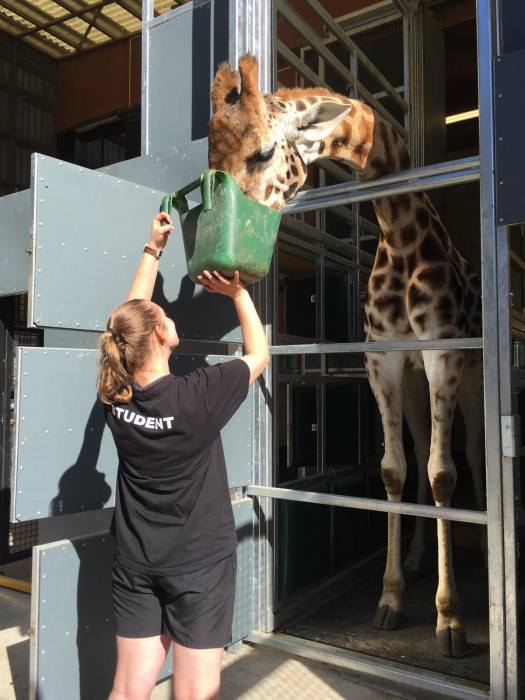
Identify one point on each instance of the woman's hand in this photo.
(159, 232)
(218, 284)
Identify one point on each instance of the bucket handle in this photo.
(179, 201)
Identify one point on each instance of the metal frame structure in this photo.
(250, 25)
(500, 409)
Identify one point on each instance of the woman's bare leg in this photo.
(138, 664)
(196, 673)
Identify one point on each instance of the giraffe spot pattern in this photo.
(422, 217)
(377, 281)
(421, 320)
(408, 234)
(435, 277)
(396, 284)
(445, 309)
(411, 264)
(431, 250)
(375, 324)
(398, 264)
(416, 296)
(393, 304)
(290, 191)
(381, 258)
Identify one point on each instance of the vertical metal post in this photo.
(493, 306)
(147, 16)
(6, 374)
(265, 463)
(413, 47)
(252, 31)
(508, 466)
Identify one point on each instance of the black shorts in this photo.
(195, 609)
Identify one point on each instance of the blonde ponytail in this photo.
(124, 348)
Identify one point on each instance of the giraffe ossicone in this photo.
(420, 288)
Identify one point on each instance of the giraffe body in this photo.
(420, 288)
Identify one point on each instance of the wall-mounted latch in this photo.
(510, 436)
(313, 299)
(314, 427)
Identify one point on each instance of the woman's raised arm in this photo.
(146, 274)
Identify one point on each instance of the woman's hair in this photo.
(124, 348)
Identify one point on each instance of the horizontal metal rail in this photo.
(436, 512)
(389, 671)
(314, 235)
(378, 346)
(426, 178)
(308, 34)
(345, 40)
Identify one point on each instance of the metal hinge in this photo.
(510, 436)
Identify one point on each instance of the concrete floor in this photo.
(255, 673)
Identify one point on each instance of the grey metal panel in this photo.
(88, 233)
(509, 107)
(64, 458)
(15, 227)
(168, 170)
(512, 25)
(243, 611)
(73, 525)
(58, 338)
(184, 48)
(73, 652)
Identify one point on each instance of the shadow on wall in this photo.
(96, 645)
(198, 315)
(82, 487)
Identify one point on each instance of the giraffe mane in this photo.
(289, 94)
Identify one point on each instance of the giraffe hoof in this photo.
(386, 619)
(452, 642)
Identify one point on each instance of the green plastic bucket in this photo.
(228, 231)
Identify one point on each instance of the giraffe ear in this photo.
(249, 70)
(225, 88)
(317, 121)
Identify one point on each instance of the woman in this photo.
(174, 569)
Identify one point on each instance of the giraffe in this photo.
(420, 288)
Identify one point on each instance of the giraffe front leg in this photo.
(385, 372)
(416, 410)
(444, 373)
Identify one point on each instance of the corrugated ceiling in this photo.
(62, 28)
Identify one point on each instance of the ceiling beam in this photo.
(42, 44)
(134, 7)
(78, 8)
(42, 21)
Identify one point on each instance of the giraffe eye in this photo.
(261, 156)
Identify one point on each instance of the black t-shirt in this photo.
(173, 510)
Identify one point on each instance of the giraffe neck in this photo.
(372, 147)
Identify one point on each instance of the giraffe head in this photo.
(266, 141)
